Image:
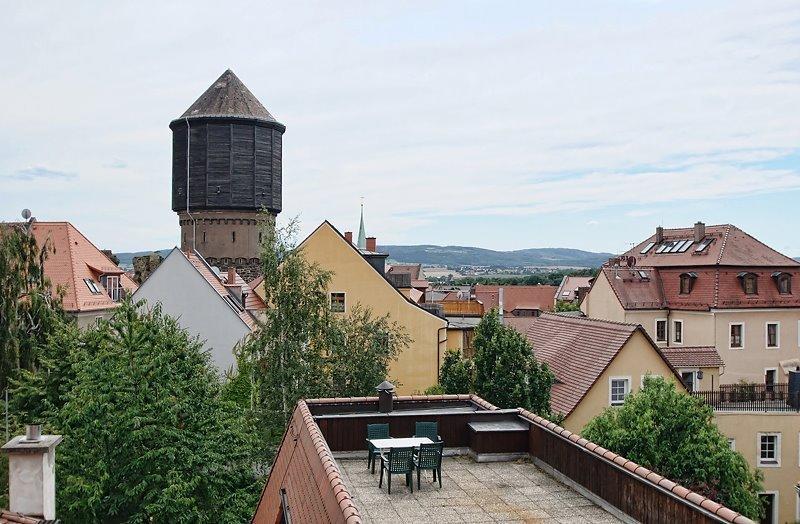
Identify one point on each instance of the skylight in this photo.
(647, 248)
(703, 245)
(92, 285)
(676, 246)
(685, 247)
(663, 247)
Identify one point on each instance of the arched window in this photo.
(783, 281)
(749, 283)
(687, 282)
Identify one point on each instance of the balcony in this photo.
(752, 398)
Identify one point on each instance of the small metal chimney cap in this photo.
(385, 386)
(33, 433)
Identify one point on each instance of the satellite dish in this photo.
(631, 261)
(26, 213)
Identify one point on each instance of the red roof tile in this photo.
(8, 517)
(730, 246)
(516, 297)
(73, 259)
(692, 357)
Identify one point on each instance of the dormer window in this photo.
(687, 282)
(749, 283)
(783, 281)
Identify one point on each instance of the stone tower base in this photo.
(226, 238)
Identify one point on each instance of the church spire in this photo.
(362, 235)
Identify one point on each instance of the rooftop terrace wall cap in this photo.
(669, 486)
(710, 505)
(741, 519)
(693, 497)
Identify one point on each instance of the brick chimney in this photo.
(32, 473)
(372, 244)
(231, 276)
(659, 235)
(699, 231)
(348, 235)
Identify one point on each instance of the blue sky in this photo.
(503, 125)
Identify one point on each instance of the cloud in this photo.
(593, 223)
(116, 164)
(38, 172)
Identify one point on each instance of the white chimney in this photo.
(500, 302)
(32, 473)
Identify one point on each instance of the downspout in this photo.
(438, 350)
(188, 162)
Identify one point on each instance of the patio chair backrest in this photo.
(377, 431)
(400, 460)
(430, 455)
(427, 429)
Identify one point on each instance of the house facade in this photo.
(358, 277)
(218, 308)
(712, 286)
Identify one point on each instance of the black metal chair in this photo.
(429, 457)
(396, 461)
(375, 431)
(427, 429)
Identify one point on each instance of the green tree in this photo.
(563, 305)
(148, 436)
(506, 372)
(29, 309)
(359, 349)
(457, 374)
(674, 434)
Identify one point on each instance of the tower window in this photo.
(233, 236)
(259, 237)
(204, 237)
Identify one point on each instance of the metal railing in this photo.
(751, 397)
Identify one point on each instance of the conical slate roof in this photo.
(228, 97)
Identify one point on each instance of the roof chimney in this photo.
(699, 231)
(659, 235)
(348, 235)
(32, 474)
(372, 244)
(231, 276)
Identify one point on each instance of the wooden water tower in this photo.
(234, 172)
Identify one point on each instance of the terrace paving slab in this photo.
(471, 492)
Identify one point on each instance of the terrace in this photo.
(499, 465)
(752, 398)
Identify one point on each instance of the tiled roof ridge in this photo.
(684, 348)
(349, 511)
(725, 236)
(651, 477)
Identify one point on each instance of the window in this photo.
(783, 281)
(233, 236)
(204, 237)
(619, 388)
(773, 333)
(770, 378)
(689, 379)
(737, 335)
(647, 248)
(337, 302)
(769, 450)
(732, 444)
(749, 283)
(677, 329)
(687, 283)
(661, 330)
(92, 285)
(769, 501)
(113, 287)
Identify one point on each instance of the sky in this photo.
(503, 125)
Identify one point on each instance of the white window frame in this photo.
(730, 328)
(775, 505)
(777, 334)
(777, 375)
(611, 380)
(759, 461)
(693, 371)
(666, 331)
(330, 301)
(675, 332)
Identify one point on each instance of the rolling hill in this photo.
(475, 256)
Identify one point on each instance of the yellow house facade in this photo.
(354, 281)
(597, 363)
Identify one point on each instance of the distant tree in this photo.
(457, 374)
(359, 349)
(29, 309)
(506, 372)
(563, 305)
(148, 436)
(674, 434)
